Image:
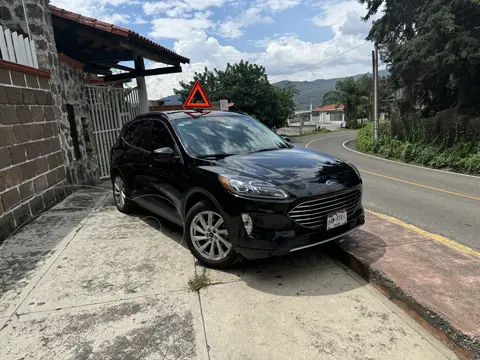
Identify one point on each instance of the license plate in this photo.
(336, 219)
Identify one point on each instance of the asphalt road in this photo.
(442, 203)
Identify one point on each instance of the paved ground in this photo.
(86, 282)
(438, 202)
(437, 284)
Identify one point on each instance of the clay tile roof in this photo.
(329, 108)
(113, 29)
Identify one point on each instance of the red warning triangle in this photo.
(189, 104)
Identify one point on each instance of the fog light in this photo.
(247, 223)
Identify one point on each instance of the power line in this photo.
(356, 47)
(331, 58)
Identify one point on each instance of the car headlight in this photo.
(246, 186)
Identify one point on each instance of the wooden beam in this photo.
(92, 69)
(98, 36)
(85, 45)
(116, 66)
(104, 57)
(137, 73)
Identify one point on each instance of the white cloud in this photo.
(139, 20)
(179, 8)
(101, 9)
(152, 8)
(232, 28)
(117, 18)
(278, 5)
(162, 85)
(291, 58)
(203, 52)
(343, 17)
(208, 49)
(179, 28)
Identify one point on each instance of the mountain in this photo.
(311, 92)
(172, 100)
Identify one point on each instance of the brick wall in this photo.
(12, 16)
(32, 171)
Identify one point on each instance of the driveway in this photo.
(84, 281)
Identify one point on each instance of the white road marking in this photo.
(323, 138)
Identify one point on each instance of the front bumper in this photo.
(277, 243)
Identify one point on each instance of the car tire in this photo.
(208, 243)
(121, 195)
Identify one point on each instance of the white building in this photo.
(328, 114)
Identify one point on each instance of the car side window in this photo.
(137, 134)
(161, 137)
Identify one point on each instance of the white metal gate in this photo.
(110, 108)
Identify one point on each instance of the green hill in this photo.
(311, 92)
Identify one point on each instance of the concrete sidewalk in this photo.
(434, 279)
(84, 281)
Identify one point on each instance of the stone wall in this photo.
(32, 173)
(41, 30)
(82, 169)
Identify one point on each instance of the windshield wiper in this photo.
(261, 150)
(214, 156)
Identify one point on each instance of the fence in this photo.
(17, 48)
(110, 108)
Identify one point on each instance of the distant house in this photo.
(328, 114)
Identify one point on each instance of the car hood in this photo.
(299, 170)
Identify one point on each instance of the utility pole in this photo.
(375, 91)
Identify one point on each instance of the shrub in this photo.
(365, 140)
(463, 157)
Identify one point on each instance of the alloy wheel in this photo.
(119, 192)
(209, 235)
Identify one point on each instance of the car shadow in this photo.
(316, 271)
(320, 270)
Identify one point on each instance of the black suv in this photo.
(236, 187)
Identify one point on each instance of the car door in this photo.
(168, 177)
(135, 142)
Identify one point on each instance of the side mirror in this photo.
(287, 139)
(164, 153)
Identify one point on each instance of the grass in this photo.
(463, 157)
(199, 282)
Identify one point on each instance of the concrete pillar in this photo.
(142, 86)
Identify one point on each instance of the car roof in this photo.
(182, 114)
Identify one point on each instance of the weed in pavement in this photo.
(198, 282)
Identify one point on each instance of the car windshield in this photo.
(226, 135)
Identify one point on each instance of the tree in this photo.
(354, 98)
(432, 48)
(248, 87)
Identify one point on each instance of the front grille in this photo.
(313, 214)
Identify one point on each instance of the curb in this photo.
(465, 346)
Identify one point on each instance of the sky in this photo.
(301, 40)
